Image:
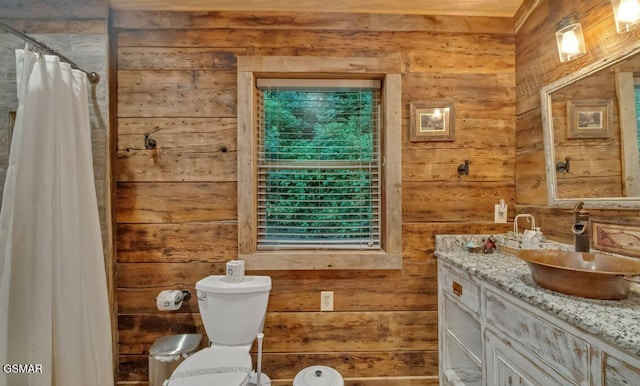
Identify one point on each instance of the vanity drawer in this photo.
(554, 346)
(460, 286)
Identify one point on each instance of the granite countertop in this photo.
(620, 328)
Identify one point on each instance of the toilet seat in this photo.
(214, 366)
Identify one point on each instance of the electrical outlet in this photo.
(500, 216)
(326, 301)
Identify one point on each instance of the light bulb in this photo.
(436, 113)
(569, 38)
(629, 11)
(570, 43)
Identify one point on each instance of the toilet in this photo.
(233, 315)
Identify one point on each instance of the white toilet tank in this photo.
(233, 313)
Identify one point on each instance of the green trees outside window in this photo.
(636, 88)
(319, 168)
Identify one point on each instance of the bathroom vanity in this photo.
(497, 327)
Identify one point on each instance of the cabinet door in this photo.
(507, 365)
(551, 344)
(620, 373)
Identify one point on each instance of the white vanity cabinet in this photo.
(490, 337)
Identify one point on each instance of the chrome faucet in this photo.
(581, 228)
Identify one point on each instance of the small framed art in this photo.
(589, 118)
(432, 122)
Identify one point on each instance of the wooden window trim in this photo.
(386, 69)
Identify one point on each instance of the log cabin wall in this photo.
(176, 204)
(537, 64)
(595, 162)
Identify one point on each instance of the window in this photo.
(319, 163)
(636, 88)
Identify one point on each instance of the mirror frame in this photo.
(549, 148)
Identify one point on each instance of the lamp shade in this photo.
(627, 14)
(570, 38)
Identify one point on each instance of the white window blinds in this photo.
(318, 164)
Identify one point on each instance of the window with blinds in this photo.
(636, 91)
(318, 164)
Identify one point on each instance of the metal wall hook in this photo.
(463, 169)
(563, 166)
(149, 143)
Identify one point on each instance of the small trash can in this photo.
(167, 353)
(318, 376)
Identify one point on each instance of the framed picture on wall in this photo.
(622, 237)
(589, 118)
(432, 122)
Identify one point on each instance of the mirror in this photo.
(591, 120)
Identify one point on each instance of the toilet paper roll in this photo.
(235, 271)
(169, 300)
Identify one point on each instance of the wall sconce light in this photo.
(570, 38)
(627, 14)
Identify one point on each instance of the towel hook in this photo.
(463, 169)
(563, 166)
(149, 143)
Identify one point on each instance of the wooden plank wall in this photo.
(537, 64)
(596, 170)
(176, 205)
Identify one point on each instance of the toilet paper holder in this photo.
(186, 295)
(171, 300)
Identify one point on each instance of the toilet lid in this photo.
(229, 366)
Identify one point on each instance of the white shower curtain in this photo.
(53, 295)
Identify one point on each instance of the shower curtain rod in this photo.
(92, 76)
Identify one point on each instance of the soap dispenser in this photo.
(536, 238)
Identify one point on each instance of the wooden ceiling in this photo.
(498, 8)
